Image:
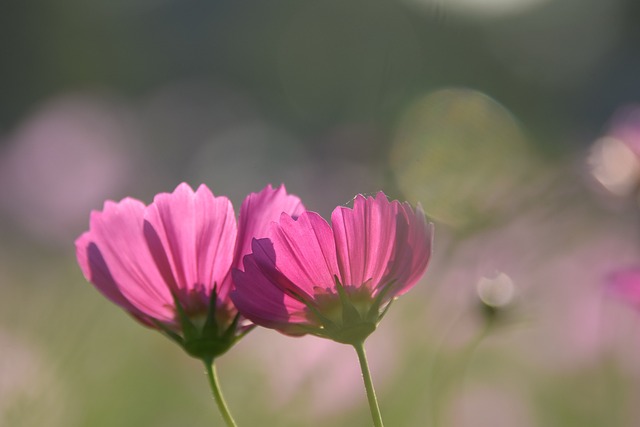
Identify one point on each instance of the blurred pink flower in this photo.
(169, 263)
(626, 284)
(62, 161)
(335, 283)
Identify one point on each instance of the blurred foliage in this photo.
(310, 64)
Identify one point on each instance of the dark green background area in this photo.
(354, 60)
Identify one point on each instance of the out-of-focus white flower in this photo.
(614, 159)
(497, 291)
(614, 165)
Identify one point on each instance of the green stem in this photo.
(217, 394)
(368, 385)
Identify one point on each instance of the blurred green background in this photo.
(495, 115)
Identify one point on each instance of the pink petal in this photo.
(305, 251)
(257, 213)
(364, 239)
(412, 250)
(95, 270)
(191, 237)
(114, 256)
(260, 297)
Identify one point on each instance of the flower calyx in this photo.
(354, 319)
(208, 340)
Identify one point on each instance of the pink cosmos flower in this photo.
(334, 282)
(168, 264)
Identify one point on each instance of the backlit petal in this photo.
(114, 256)
(259, 296)
(412, 250)
(95, 270)
(305, 251)
(257, 213)
(365, 237)
(191, 237)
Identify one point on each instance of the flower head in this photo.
(335, 282)
(168, 264)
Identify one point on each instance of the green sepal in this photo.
(374, 310)
(229, 334)
(353, 334)
(210, 327)
(169, 333)
(314, 330)
(246, 330)
(350, 314)
(189, 330)
(206, 349)
(324, 320)
(205, 343)
(352, 329)
(384, 311)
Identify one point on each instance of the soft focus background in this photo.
(513, 122)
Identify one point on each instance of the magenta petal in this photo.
(114, 256)
(95, 270)
(412, 250)
(216, 239)
(364, 237)
(259, 296)
(257, 213)
(305, 251)
(191, 237)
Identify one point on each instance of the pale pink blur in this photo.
(64, 160)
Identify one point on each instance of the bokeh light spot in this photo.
(480, 8)
(497, 291)
(614, 165)
(462, 155)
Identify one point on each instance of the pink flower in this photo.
(337, 283)
(626, 284)
(168, 264)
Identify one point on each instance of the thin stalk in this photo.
(368, 385)
(217, 394)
